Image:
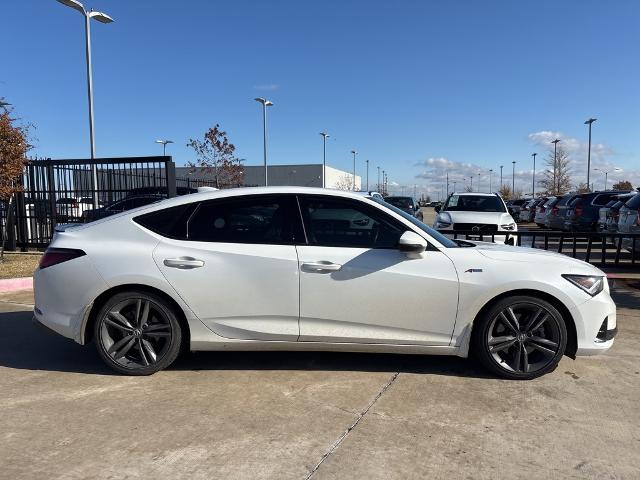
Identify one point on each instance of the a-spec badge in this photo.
(473, 270)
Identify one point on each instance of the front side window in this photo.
(345, 223)
(256, 219)
(400, 202)
(474, 203)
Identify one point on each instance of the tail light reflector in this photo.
(54, 256)
(638, 217)
(554, 211)
(578, 210)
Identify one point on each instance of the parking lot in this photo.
(320, 415)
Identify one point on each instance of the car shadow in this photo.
(25, 345)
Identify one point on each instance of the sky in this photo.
(419, 88)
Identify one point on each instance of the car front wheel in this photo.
(137, 333)
(520, 337)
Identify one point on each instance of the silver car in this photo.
(542, 210)
(629, 222)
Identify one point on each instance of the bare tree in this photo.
(14, 145)
(556, 178)
(345, 182)
(216, 157)
(505, 192)
(582, 187)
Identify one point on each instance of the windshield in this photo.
(444, 241)
(474, 203)
(400, 202)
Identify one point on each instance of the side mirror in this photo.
(437, 208)
(411, 242)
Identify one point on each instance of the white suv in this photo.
(485, 213)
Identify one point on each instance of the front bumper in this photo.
(589, 318)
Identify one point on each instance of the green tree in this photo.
(622, 185)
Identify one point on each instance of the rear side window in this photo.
(264, 220)
(634, 202)
(169, 222)
(344, 223)
(602, 199)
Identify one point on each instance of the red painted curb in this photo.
(13, 284)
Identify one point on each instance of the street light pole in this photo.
(378, 179)
(265, 103)
(471, 178)
(447, 183)
(354, 169)
(325, 135)
(490, 173)
(501, 175)
(606, 175)
(102, 18)
(513, 180)
(589, 122)
(533, 181)
(164, 146)
(555, 164)
(367, 162)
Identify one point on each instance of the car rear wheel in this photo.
(520, 337)
(137, 333)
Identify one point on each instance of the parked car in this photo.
(629, 222)
(583, 210)
(528, 210)
(608, 215)
(70, 209)
(407, 204)
(552, 209)
(556, 216)
(542, 210)
(371, 194)
(128, 203)
(514, 206)
(266, 268)
(484, 213)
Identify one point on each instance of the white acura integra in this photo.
(288, 268)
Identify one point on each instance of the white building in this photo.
(308, 175)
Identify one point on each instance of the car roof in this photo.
(475, 194)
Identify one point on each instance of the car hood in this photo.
(496, 218)
(510, 253)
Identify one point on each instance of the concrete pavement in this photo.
(319, 415)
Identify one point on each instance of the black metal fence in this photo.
(619, 249)
(61, 191)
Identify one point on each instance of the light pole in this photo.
(354, 169)
(471, 178)
(325, 135)
(478, 187)
(501, 175)
(533, 181)
(589, 122)
(383, 177)
(367, 162)
(265, 103)
(102, 18)
(164, 146)
(378, 179)
(513, 180)
(555, 164)
(447, 183)
(490, 174)
(606, 174)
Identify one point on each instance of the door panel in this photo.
(356, 286)
(235, 264)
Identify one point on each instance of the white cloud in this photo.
(268, 87)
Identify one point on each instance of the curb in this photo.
(14, 284)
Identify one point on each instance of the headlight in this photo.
(508, 226)
(592, 284)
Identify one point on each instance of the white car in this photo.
(287, 268)
(485, 213)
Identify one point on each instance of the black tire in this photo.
(541, 348)
(150, 342)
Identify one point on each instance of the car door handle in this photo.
(321, 267)
(184, 263)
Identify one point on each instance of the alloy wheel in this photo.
(136, 333)
(524, 338)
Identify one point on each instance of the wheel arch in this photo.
(572, 336)
(100, 300)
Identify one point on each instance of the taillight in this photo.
(638, 217)
(54, 256)
(577, 211)
(541, 209)
(554, 211)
